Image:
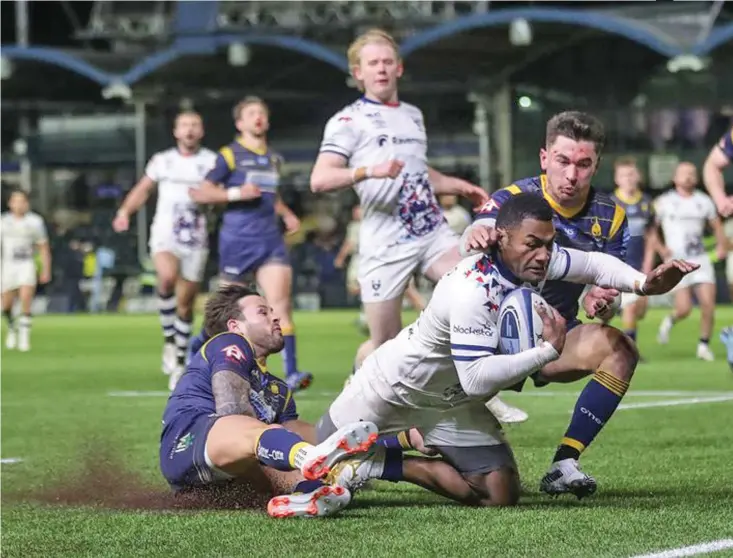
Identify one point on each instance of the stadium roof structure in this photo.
(296, 50)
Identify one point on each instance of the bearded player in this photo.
(378, 146)
(230, 421)
(250, 241)
(178, 235)
(590, 221)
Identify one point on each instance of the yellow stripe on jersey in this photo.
(513, 189)
(618, 220)
(228, 155)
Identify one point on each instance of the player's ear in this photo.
(233, 326)
(502, 238)
(543, 158)
(400, 69)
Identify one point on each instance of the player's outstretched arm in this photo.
(604, 270)
(331, 173)
(474, 345)
(712, 175)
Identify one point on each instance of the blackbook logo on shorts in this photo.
(469, 330)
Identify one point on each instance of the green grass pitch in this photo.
(665, 472)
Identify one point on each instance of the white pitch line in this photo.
(694, 550)
(675, 402)
(10, 460)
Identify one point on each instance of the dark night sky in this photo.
(49, 24)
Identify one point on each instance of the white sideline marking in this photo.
(694, 550)
(674, 402)
(9, 460)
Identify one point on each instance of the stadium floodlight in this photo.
(239, 54)
(520, 32)
(524, 102)
(6, 67)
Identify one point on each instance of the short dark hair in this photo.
(223, 306)
(519, 207)
(578, 126)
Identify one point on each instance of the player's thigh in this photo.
(441, 254)
(587, 347)
(384, 319)
(8, 298)
(231, 441)
(166, 269)
(275, 279)
(26, 294)
(641, 306)
(705, 294)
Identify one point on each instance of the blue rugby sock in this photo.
(281, 449)
(392, 466)
(288, 352)
(399, 441)
(595, 405)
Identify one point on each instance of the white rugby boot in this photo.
(316, 461)
(24, 338)
(505, 413)
(565, 477)
(704, 352)
(354, 473)
(326, 500)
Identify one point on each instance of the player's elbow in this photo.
(318, 182)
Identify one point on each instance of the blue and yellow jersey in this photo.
(726, 144)
(237, 165)
(640, 216)
(599, 225)
(270, 397)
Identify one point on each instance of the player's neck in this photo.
(628, 196)
(504, 269)
(18, 215)
(392, 101)
(684, 193)
(187, 151)
(253, 143)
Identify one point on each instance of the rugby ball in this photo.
(520, 326)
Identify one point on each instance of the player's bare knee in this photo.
(233, 439)
(166, 284)
(494, 489)
(623, 357)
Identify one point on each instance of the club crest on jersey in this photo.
(234, 353)
(595, 230)
(382, 140)
(489, 206)
(376, 285)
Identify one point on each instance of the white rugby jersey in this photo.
(435, 362)
(367, 133)
(175, 211)
(683, 220)
(20, 236)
